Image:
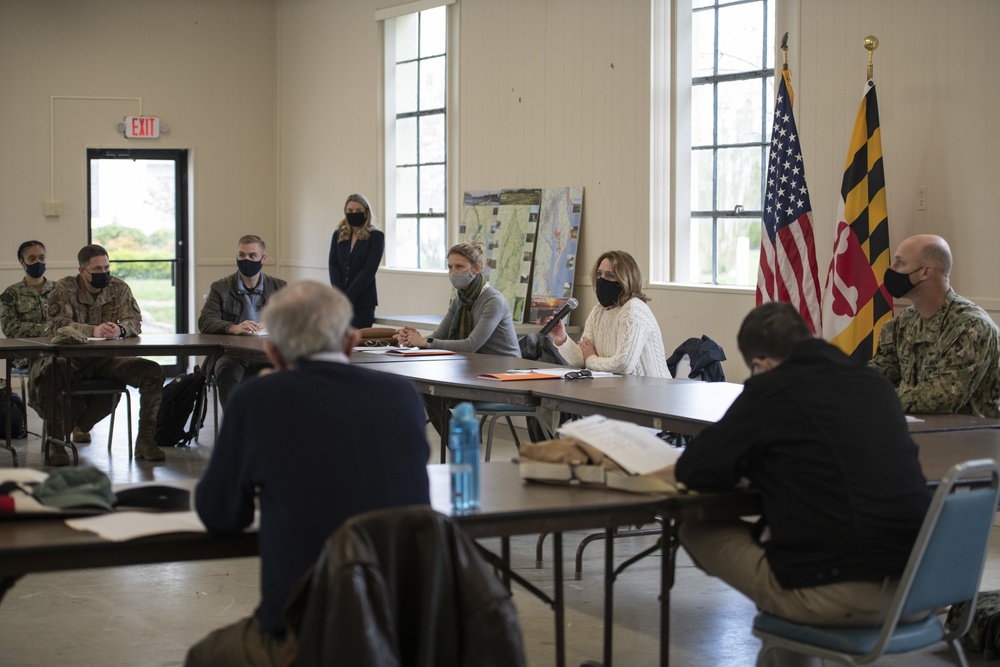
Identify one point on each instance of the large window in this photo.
(416, 138)
(724, 82)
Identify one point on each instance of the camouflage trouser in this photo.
(48, 377)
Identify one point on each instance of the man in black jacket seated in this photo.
(312, 442)
(824, 441)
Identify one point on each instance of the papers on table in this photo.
(416, 352)
(523, 374)
(562, 371)
(632, 447)
(122, 526)
(546, 373)
(910, 419)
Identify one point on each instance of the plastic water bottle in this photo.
(463, 441)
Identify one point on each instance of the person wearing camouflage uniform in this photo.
(96, 305)
(943, 352)
(23, 305)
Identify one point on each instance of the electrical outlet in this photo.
(53, 209)
(921, 197)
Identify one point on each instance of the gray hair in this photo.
(305, 318)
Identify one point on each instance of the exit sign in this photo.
(142, 127)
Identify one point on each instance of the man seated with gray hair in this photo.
(312, 443)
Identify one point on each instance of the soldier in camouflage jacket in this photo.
(943, 352)
(23, 305)
(100, 306)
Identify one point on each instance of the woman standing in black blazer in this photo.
(355, 253)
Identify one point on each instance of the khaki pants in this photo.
(727, 550)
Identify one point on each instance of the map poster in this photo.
(510, 252)
(555, 251)
(479, 210)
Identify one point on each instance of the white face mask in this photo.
(461, 280)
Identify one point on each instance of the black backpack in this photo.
(178, 421)
(17, 426)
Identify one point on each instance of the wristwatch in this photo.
(430, 341)
(121, 331)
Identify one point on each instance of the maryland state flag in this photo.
(855, 303)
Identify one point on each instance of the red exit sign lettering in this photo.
(142, 127)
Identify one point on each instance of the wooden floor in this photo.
(149, 615)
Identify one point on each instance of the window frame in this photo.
(672, 154)
(385, 140)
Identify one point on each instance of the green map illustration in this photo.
(555, 251)
(531, 237)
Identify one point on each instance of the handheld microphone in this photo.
(563, 312)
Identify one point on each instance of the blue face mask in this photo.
(35, 270)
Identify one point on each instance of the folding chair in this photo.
(944, 568)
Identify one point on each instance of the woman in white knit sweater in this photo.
(621, 334)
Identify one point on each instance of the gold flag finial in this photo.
(871, 43)
(784, 52)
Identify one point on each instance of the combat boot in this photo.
(57, 455)
(145, 447)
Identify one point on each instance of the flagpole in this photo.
(784, 52)
(871, 43)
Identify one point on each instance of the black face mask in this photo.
(100, 280)
(35, 270)
(248, 267)
(608, 292)
(356, 218)
(898, 284)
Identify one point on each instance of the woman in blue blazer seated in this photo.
(355, 253)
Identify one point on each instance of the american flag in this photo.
(788, 270)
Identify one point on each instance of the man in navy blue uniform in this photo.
(311, 442)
